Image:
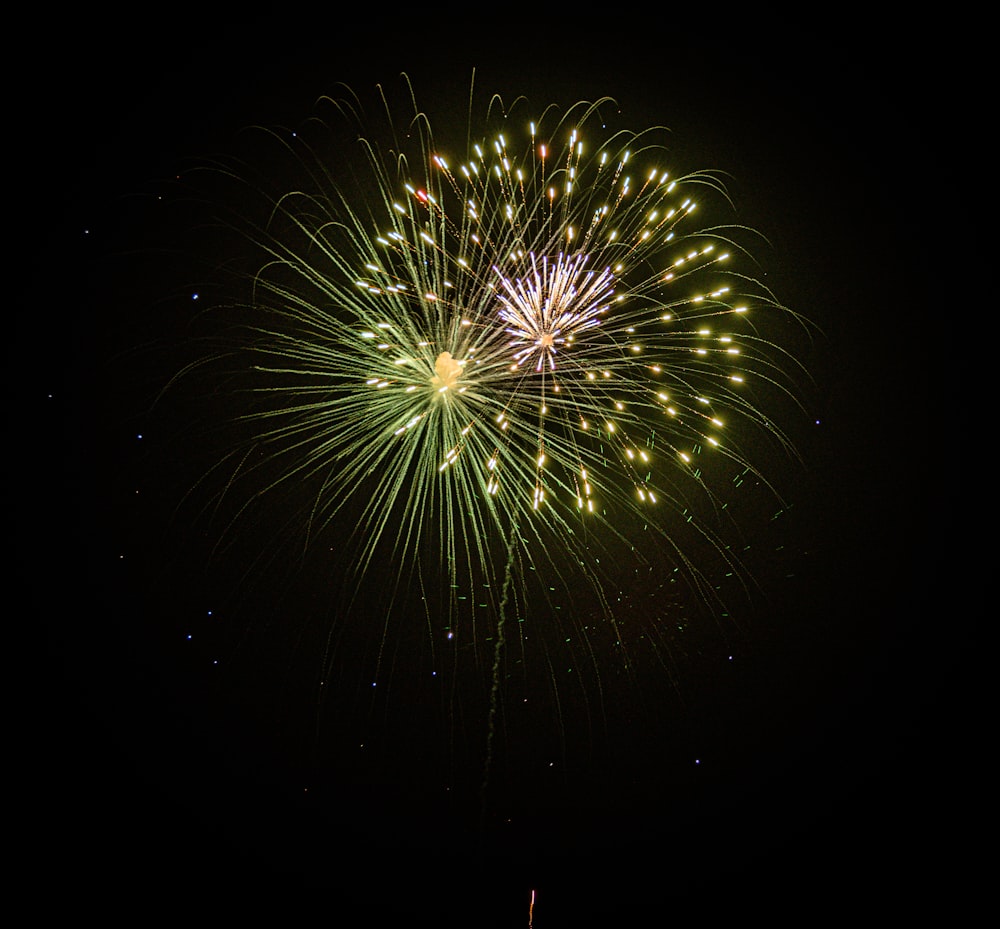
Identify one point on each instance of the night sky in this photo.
(818, 756)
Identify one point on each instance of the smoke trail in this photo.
(497, 651)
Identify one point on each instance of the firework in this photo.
(535, 350)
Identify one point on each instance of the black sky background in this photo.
(845, 767)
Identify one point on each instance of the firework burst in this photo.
(537, 352)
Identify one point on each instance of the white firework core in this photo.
(552, 306)
(446, 372)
